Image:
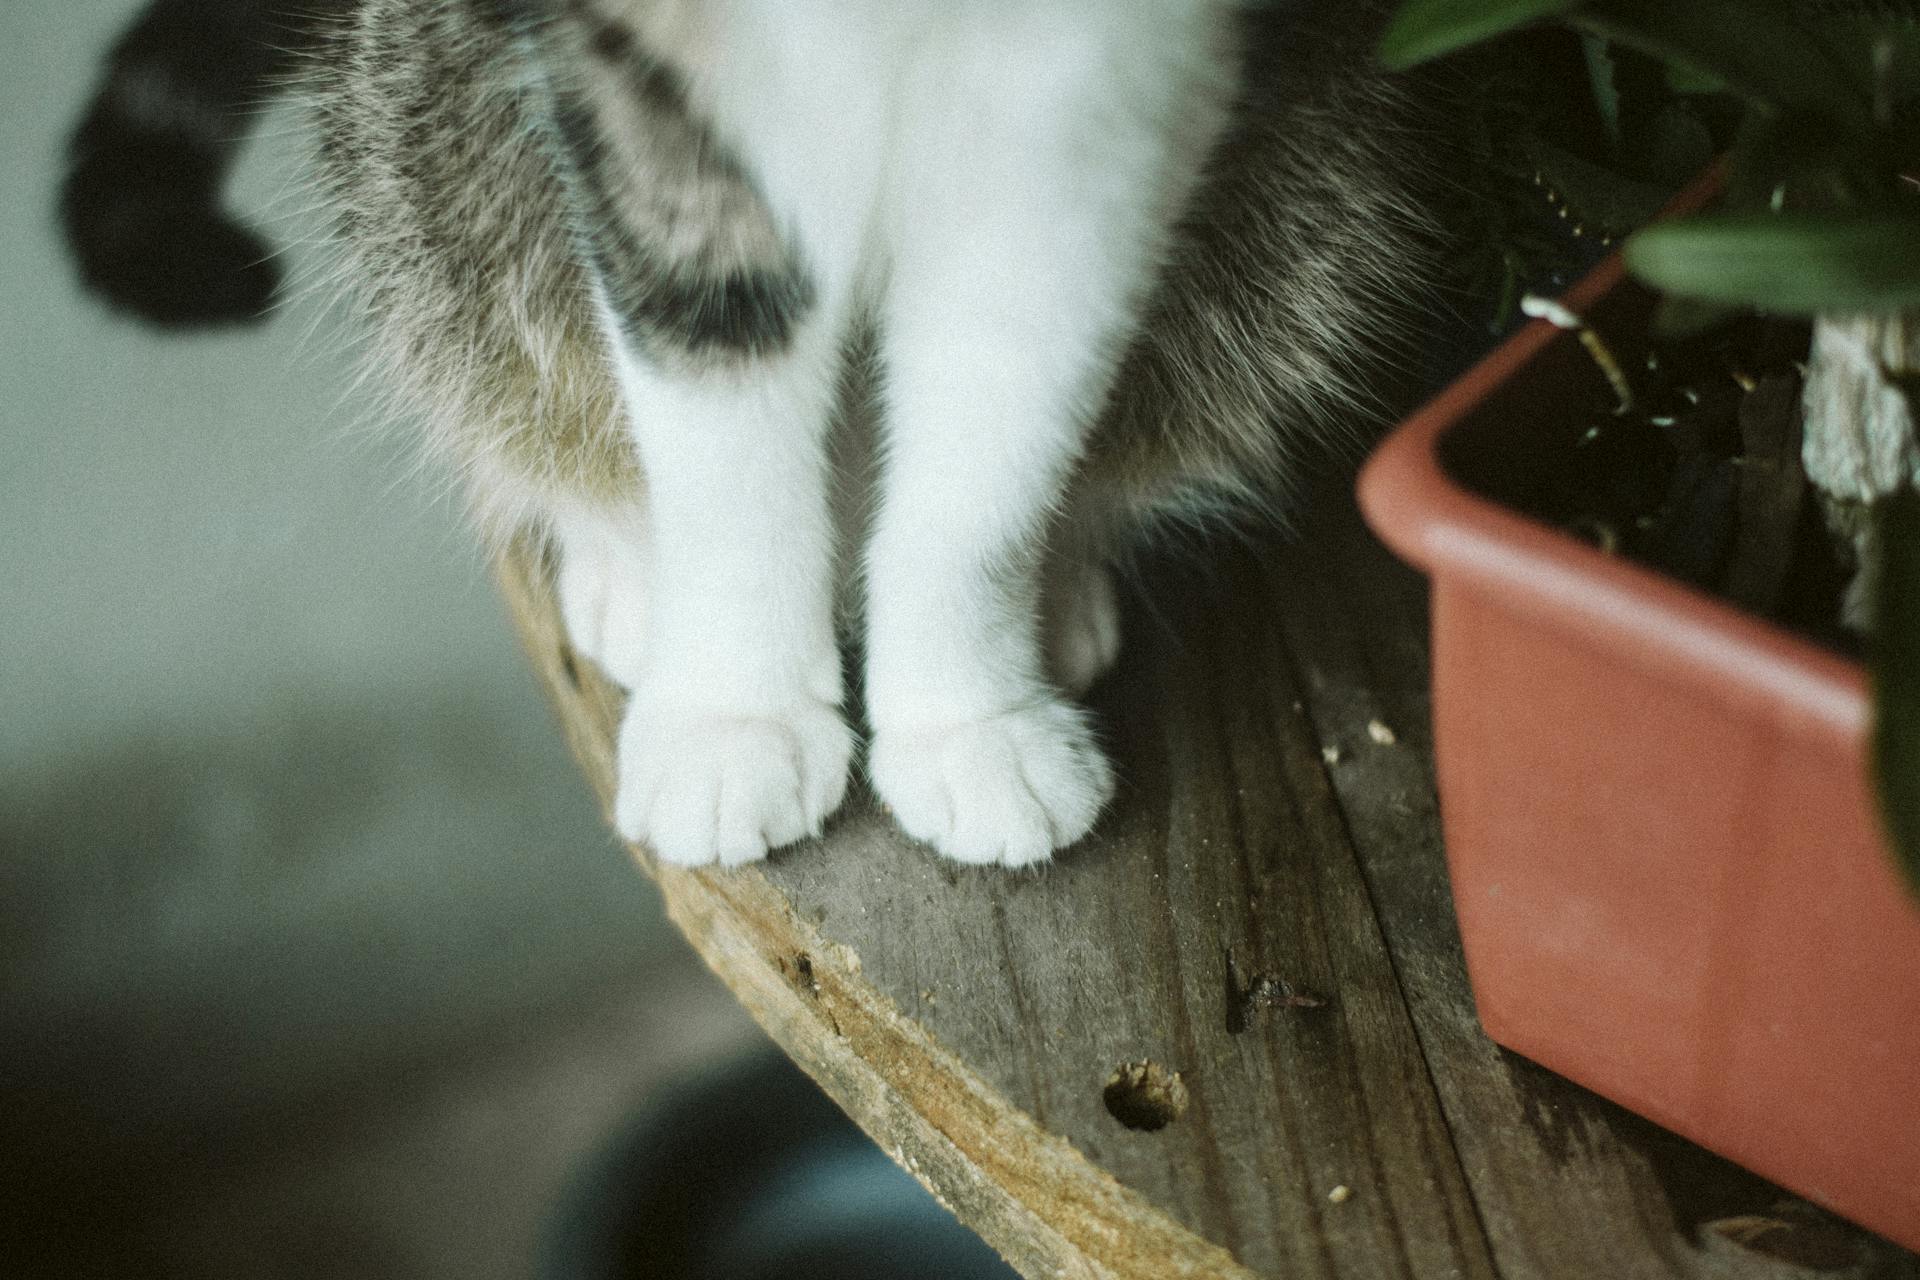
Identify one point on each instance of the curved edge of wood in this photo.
(1032, 1195)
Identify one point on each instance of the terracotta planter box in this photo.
(1670, 878)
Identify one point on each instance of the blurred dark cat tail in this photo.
(141, 206)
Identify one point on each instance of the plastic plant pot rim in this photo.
(1538, 571)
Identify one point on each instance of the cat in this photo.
(140, 202)
(784, 319)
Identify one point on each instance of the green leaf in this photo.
(1425, 29)
(1787, 263)
(1678, 144)
(1680, 318)
(1606, 201)
(1774, 153)
(1606, 85)
(1682, 78)
(1754, 47)
(1896, 680)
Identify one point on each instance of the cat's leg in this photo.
(1005, 313)
(733, 742)
(1081, 608)
(974, 748)
(1023, 248)
(603, 583)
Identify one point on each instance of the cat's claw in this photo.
(1083, 628)
(1007, 790)
(706, 788)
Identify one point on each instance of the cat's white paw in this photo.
(1007, 790)
(699, 788)
(603, 602)
(1083, 627)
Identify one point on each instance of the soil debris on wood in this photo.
(1248, 996)
(1268, 992)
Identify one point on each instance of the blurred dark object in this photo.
(754, 1174)
(141, 204)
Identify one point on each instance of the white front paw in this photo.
(1009, 789)
(701, 787)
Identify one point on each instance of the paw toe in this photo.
(1008, 790)
(706, 789)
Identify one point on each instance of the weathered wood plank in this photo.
(971, 1020)
(1569, 1186)
(1048, 1210)
(1272, 922)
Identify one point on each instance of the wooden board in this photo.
(1264, 911)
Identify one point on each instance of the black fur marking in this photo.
(140, 204)
(660, 87)
(699, 304)
(612, 41)
(748, 313)
(742, 313)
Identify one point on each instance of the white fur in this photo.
(605, 583)
(994, 181)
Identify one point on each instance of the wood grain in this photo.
(1261, 914)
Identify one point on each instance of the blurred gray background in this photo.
(315, 959)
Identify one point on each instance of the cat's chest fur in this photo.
(848, 119)
(1076, 267)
